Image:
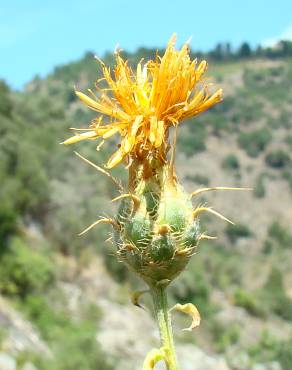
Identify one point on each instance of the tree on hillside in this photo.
(244, 50)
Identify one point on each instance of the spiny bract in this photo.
(156, 230)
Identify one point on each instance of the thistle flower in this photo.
(156, 229)
(145, 103)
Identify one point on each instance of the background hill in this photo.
(65, 299)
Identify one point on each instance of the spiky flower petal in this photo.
(141, 105)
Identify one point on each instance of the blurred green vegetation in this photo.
(278, 237)
(255, 141)
(39, 218)
(224, 336)
(193, 141)
(24, 271)
(73, 341)
(198, 179)
(231, 162)
(237, 231)
(259, 190)
(277, 159)
(269, 349)
(249, 302)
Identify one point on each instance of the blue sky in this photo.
(35, 35)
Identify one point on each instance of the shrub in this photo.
(253, 142)
(80, 351)
(274, 296)
(247, 109)
(280, 235)
(268, 246)
(266, 349)
(251, 111)
(285, 119)
(287, 175)
(269, 86)
(259, 188)
(231, 162)
(249, 302)
(273, 122)
(192, 140)
(5, 100)
(24, 271)
(73, 342)
(237, 231)
(7, 226)
(277, 159)
(217, 120)
(288, 140)
(283, 307)
(224, 337)
(284, 354)
(199, 179)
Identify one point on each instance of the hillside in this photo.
(66, 290)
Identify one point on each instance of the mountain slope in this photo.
(241, 283)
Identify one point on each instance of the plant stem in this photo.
(164, 323)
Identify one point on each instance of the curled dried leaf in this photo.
(135, 297)
(154, 356)
(190, 310)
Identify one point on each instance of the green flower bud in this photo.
(157, 232)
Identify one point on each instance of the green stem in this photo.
(164, 323)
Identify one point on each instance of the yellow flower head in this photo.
(143, 105)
